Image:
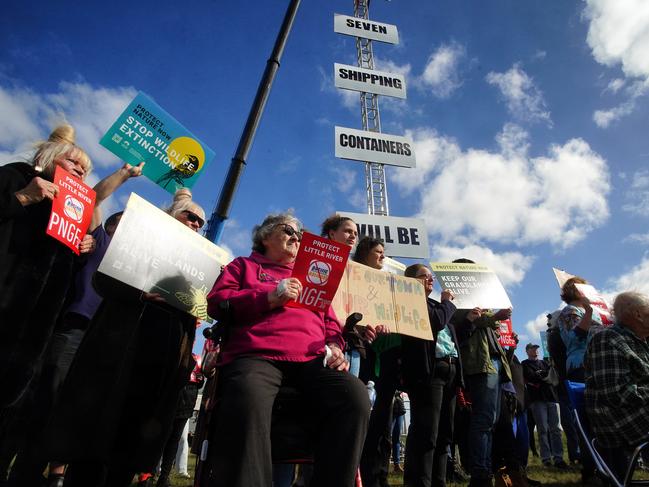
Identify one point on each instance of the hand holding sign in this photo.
(287, 290)
(36, 191)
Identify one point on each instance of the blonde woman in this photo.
(35, 269)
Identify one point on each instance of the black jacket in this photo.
(35, 272)
(534, 372)
(418, 356)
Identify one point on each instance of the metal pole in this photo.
(222, 209)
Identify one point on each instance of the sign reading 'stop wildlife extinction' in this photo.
(382, 298)
(319, 265)
(368, 29)
(402, 237)
(369, 80)
(473, 285)
(366, 146)
(174, 157)
(71, 209)
(155, 253)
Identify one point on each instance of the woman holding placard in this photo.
(431, 371)
(269, 342)
(117, 406)
(35, 269)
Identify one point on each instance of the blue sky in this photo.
(529, 119)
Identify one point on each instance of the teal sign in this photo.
(174, 157)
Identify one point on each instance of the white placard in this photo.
(365, 146)
(369, 80)
(368, 29)
(403, 237)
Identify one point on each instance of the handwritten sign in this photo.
(473, 285)
(319, 266)
(71, 209)
(174, 157)
(155, 253)
(383, 299)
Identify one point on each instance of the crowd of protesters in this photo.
(98, 379)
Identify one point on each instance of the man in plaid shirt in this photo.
(617, 380)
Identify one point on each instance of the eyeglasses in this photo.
(290, 231)
(193, 217)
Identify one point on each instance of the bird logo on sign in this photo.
(318, 272)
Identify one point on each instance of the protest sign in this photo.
(562, 276)
(71, 209)
(174, 157)
(597, 302)
(366, 146)
(155, 253)
(319, 266)
(505, 332)
(383, 299)
(402, 237)
(473, 285)
(543, 335)
(369, 81)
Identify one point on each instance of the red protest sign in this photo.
(71, 210)
(319, 266)
(506, 339)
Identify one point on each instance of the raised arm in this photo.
(108, 186)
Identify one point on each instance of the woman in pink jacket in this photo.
(269, 343)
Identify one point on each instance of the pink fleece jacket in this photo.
(283, 333)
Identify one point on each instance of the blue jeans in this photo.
(354, 359)
(546, 417)
(485, 396)
(397, 424)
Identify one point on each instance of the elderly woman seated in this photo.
(268, 344)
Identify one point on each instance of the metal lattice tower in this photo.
(375, 183)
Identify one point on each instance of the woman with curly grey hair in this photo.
(270, 343)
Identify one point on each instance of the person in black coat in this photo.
(431, 371)
(118, 403)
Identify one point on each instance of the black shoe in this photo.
(547, 463)
(532, 482)
(561, 465)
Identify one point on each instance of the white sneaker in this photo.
(184, 475)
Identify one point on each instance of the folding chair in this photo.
(576, 397)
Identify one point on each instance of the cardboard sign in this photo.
(366, 146)
(174, 157)
(402, 237)
(155, 253)
(597, 302)
(505, 330)
(369, 81)
(319, 266)
(366, 28)
(71, 209)
(383, 299)
(473, 285)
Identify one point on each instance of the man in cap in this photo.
(543, 403)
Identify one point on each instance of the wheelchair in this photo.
(292, 431)
(576, 397)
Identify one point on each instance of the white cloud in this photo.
(236, 240)
(507, 196)
(530, 330)
(636, 279)
(640, 238)
(288, 166)
(637, 196)
(350, 99)
(28, 116)
(618, 35)
(441, 75)
(523, 98)
(509, 266)
(615, 85)
(604, 118)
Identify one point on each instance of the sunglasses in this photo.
(193, 217)
(290, 231)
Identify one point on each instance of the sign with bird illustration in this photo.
(174, 157)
